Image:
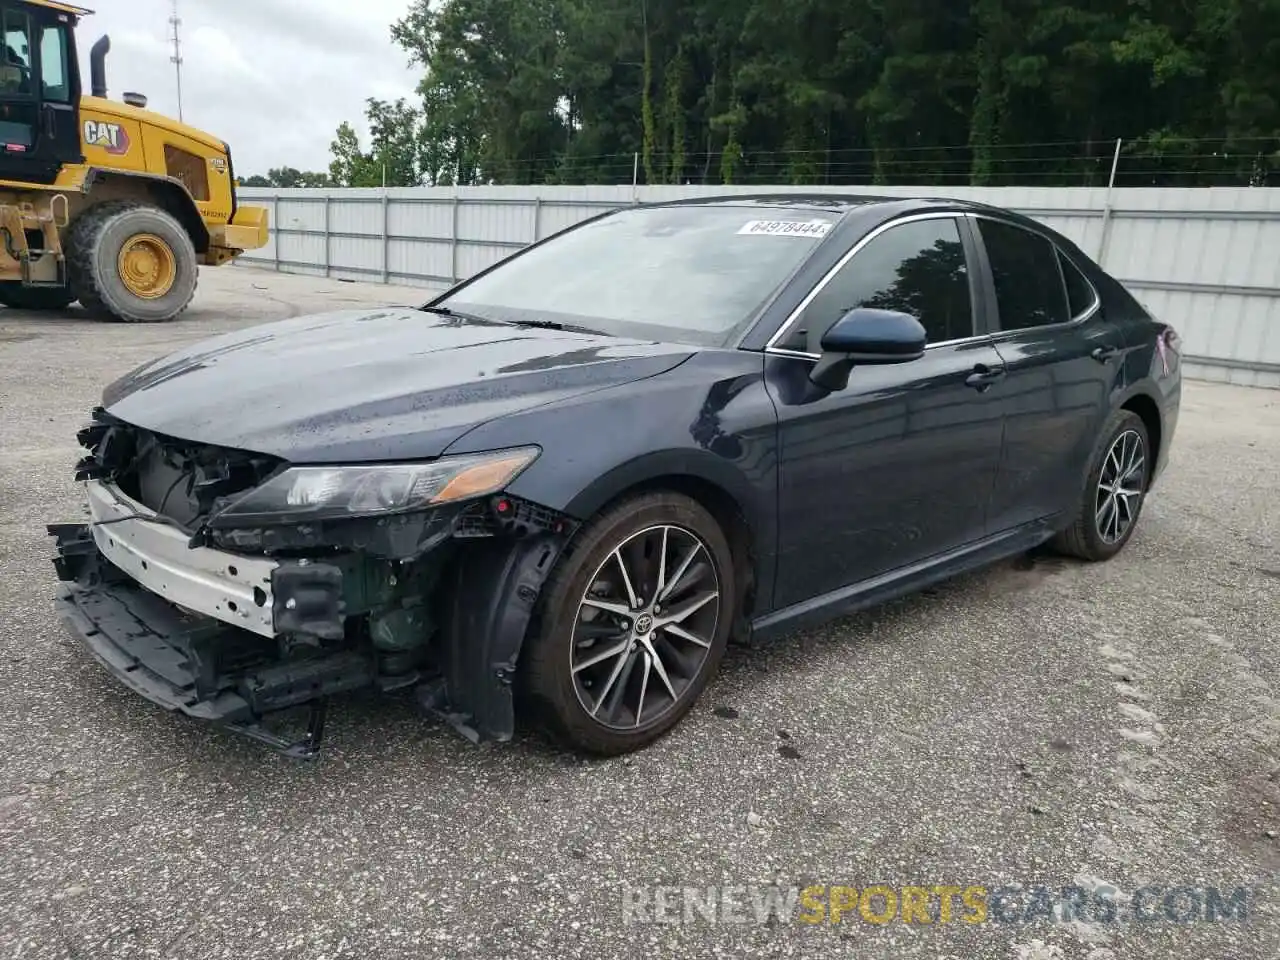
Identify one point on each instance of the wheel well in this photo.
(1146, 408)
(168, 195)
(727, 512)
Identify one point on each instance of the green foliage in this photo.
(290, 177)
(828, 91)
(392, 161)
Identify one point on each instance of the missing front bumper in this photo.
(228, 624)
(234, 589)
(191, 664)
(210, 670)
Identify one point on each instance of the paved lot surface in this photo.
(1038, 723)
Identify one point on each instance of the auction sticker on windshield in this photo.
(786, 228)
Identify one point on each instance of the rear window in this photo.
(689, 274)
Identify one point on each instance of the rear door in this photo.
(1062, 360)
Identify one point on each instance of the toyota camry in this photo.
(553, 494)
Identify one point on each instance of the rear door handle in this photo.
(983, 377)
(1103, 354)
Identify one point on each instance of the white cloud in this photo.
(273, 78)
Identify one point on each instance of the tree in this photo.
(351, 167)
(257, 180)
(826, 91)
(393, 160)
(289, 177)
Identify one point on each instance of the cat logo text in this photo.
(111, 137)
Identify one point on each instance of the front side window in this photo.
(15, 63)
(917, 268)
(1024, 265)
(688, 274)
(54, 79)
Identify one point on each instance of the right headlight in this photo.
(325, 493)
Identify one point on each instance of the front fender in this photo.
(170, 191)
(645, 469)
(708, 423)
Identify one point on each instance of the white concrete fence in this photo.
(1207, 260)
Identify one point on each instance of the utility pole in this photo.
(175, 22)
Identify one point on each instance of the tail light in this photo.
(1167, 342)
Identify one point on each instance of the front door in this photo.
(39, 93)
(899, 466)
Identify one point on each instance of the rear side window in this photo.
(1028, 280)
(1080, 295)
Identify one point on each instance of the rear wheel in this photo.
(1114, 491)
(131, 261)
(636, 621)
(14, 294)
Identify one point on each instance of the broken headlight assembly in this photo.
(301, 494)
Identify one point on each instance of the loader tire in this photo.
(131, 261)
(14, 294)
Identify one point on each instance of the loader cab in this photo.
(39, 91)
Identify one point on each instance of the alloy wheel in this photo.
(644, 626)
(1120, 487)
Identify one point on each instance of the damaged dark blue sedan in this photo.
(556, 492)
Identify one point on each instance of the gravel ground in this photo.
(1040, 723)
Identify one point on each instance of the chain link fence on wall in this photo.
(1125, 162)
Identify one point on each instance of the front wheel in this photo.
(636, 620)
(1114, 491)
(131, 261)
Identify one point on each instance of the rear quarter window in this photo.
(1080, 294)
(1024, 266)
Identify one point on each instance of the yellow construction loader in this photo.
(103, 201)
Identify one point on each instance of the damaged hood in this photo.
(368, 385)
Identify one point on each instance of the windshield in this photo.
(689, 274)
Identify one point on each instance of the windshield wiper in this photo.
(535, 324)
(450, 312)
(552, 325)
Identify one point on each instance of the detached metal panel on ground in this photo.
(1207, 260)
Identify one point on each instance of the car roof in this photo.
(843, 203)
(857, 212)
(829, 202)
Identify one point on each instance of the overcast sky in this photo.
(273, 78)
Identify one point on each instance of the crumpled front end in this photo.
(233, 623)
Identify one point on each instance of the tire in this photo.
(15, 295)
(95, 243)
(566, 670)
(1097, 533)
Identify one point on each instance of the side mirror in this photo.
(866, 336)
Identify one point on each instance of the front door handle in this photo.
(983, 377)
(1104, 353)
